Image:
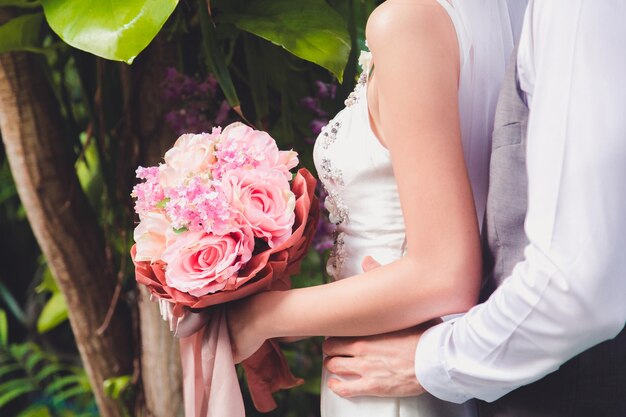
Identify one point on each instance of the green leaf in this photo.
(161, 204)
(87, 166)
(89, 171)
(48, 284)
(15, 388)
(12, 304)
(215, 59)
(113, 387)
(36, 411)
(63, 382)
(35, 358)
(53, 313)
(72, 392)
(309, 29)
(49, 370)
(116, 30)
(7, 369)
(21, 33)
(20, 351)
(4, 329)
(257, 77)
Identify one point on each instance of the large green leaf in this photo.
(21, 33)
(309, 29)
(113, 29)
(53, 313)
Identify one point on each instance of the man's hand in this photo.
(381, 365)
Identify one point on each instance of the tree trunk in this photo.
(160, 362)
(161, 373)
(67, 230)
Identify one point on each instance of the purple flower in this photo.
(190, 102)
(176, 121)
(310, 103)
(323, 239)
(317, 125)
(208, 87)
(325, 233)
(325, 91)
(222, 113)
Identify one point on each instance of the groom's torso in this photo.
(592, 384)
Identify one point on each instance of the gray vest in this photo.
(593, 384)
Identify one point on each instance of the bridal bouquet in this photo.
(221, 219)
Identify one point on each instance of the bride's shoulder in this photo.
(409, 20)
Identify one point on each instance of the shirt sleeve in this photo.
(567, 295)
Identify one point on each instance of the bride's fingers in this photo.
(369, 263)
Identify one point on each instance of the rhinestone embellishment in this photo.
(329, 173)
(353, 97)
(329, 133)
(336, 208)
(338, 256)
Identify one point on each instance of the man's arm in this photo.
(568, 293)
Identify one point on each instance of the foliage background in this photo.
(285, 66)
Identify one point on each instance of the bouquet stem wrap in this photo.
(210, 384)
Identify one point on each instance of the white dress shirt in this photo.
(569, 293)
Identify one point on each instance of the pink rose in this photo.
(200, 263)
(259, 147)
(150, 236)
(265, 201)
(191, 155)
(287, 159)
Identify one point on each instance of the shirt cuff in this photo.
(430, 367)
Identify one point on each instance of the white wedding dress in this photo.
(363, 198)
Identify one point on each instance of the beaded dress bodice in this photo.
(363, 201)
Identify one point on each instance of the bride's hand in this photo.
(245, 335)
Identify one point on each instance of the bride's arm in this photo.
(416, 56)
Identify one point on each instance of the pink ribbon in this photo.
(210, 384)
